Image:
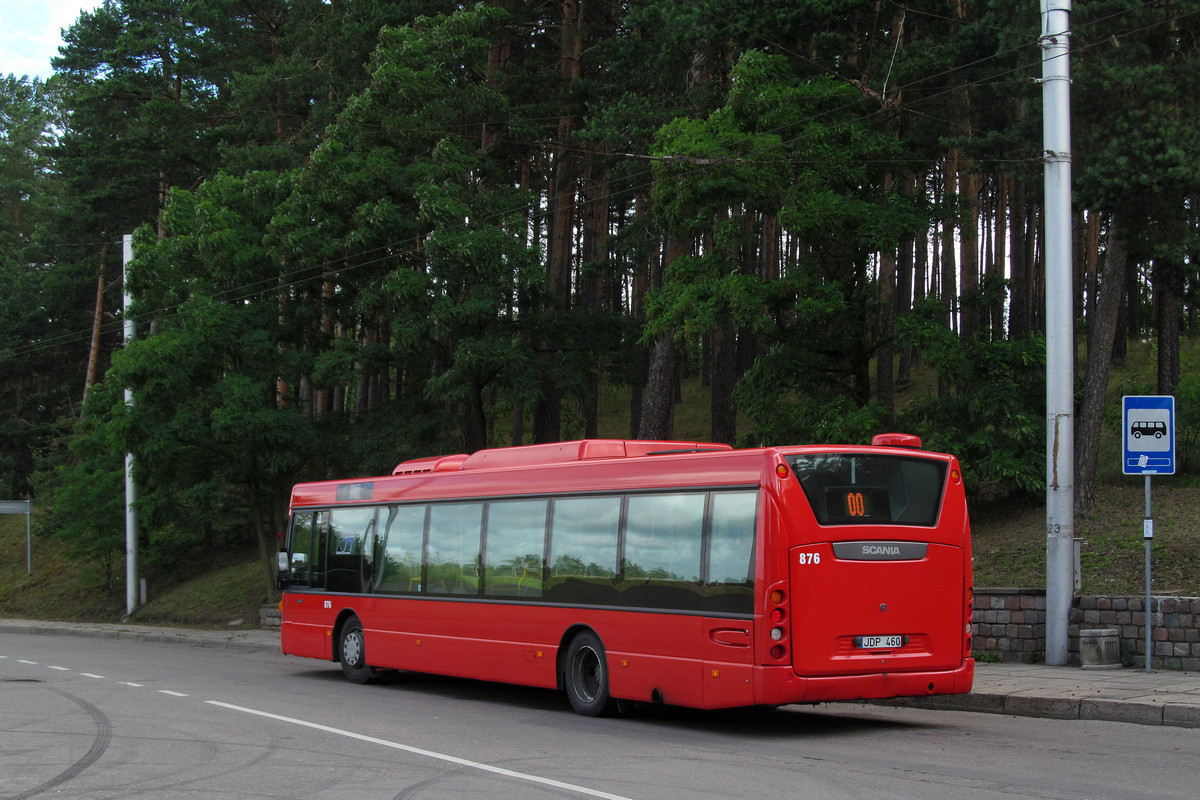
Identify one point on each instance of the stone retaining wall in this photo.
(270, 617)
(1010, 625)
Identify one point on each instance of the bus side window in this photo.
(515, 540)
(399, 565)
(320, 544)
(663, 537)
(729, 574)
(301, 549)
(583, 549)
(454, 530)
(351, 539)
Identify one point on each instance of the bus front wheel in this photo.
(586, 676)
(352, 652)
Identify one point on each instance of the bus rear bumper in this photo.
(782, 686)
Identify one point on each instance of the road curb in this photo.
(213, 639)
(1165, 714)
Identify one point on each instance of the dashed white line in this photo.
(523, 776)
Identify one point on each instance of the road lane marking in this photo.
(462, 762)
(173, 694)
(23, 661)
(93, 675)
(62, 669)
(134, 685)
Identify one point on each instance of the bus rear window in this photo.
(858, 489)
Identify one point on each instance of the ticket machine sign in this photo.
(1148, 435)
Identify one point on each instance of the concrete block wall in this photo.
(1010, 625)
(270, 617)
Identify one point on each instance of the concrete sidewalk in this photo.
(1161, 697)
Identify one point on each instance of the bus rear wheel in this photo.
(352, 652)
(586, 676)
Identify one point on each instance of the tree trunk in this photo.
(547, 410)
(1101, 331)
(1170, 317)
(93, 363)
(1000, 253)
(969, 317)
(474, 419)
(884, 386)
(658, 402)
(640, 285)
(724, 376)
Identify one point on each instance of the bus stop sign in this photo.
(1148, 435)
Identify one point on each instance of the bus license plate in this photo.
(879, 642)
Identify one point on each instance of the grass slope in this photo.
(62, 589)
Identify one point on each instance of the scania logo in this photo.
(880, 551)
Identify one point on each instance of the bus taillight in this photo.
(970, 614)
(777, 614)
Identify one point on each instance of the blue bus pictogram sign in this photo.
(1148, 435)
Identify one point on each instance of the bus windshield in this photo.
(867, 489)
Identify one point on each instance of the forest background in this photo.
(369, 230)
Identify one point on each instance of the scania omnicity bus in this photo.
(629, 571)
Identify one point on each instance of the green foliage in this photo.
(350, 211)
(991, 414)
(1187, 423)
(81, 493)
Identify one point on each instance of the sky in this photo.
(31, 31)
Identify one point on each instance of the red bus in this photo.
(666, 572)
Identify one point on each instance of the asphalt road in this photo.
(96, 718)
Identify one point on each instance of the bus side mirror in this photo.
(281, 571)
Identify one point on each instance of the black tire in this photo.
(585, 676)
(352, 652)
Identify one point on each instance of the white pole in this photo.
(1060, 371)
(131, 528)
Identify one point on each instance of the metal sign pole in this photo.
(1148, 535)
(1148, 449)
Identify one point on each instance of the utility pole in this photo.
(1060, 367)
(131, 525)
